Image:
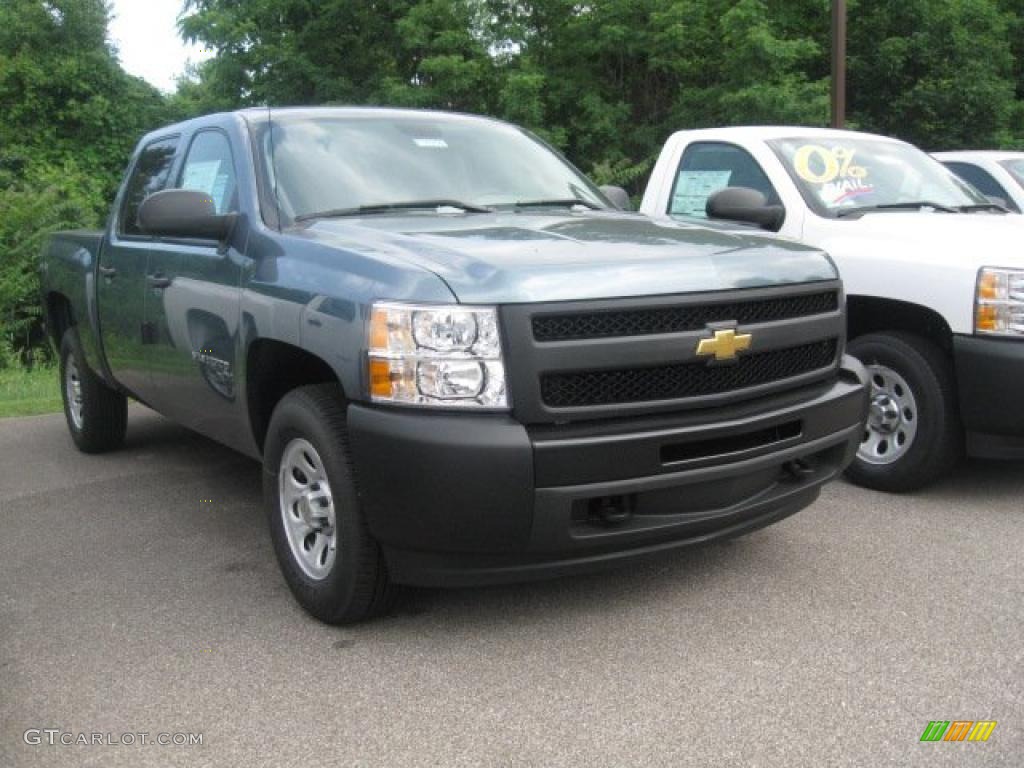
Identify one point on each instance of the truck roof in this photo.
(978, 154)
(769, 132)
(260, 114)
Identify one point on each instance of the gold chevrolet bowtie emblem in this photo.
(724, 345)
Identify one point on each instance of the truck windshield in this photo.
(340, 165)
(1016, 169)
(841, 176)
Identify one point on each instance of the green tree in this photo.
(69, 118)
(607, 81)
(610, 80)
(63, 92)
(34, 202)
(281, 52)
(939, 73)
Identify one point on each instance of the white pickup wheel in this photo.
(331, 563)
(893, 416)
(97, 415)
(912, 436)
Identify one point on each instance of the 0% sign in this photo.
(821, 165)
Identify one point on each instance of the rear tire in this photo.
(332, 565)
(913, 436)
(97, 415)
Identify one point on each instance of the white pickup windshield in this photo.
(1016, 169)
(331, 163)
(845, 174)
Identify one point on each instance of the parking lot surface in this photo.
(139, 593)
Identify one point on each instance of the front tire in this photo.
(913, 435)
(97, 415)
(330, 562)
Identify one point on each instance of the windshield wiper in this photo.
(557, 202)
(982, 207)
(911, 206)
(386, 207)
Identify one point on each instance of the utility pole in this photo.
(838, 63)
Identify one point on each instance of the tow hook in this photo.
(613, 510)
(798, 469)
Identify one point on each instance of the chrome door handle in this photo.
(108, 272)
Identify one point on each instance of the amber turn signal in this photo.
(986, 317)
(989, 285)
(380, 378)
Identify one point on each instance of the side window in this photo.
(707, 167)
(209, 168)
(149, 176)
(980, 179)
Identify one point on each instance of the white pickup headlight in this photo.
(439, 355)
(999, 302)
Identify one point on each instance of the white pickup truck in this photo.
(997, 175)
(934, 276)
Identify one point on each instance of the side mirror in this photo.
(184, 213)
(747, 206)
(618, 197)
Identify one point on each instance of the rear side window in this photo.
(980, 179)
(709, 166)
(209, 168)
(149, 176)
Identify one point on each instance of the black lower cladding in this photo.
(990, 378)
(459, 499)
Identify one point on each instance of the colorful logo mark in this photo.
(958, 730)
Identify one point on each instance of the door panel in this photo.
(121, 282)
(708, 166)
(193, 304)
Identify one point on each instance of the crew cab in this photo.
(934, 276)
(458, 362)
(997, 175)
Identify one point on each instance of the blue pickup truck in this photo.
(458, 360)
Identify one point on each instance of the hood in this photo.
(965, 241)
(929, 259)
(511, 257)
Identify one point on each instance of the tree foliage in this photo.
(606, 81)
(69, 117)
(939, 73)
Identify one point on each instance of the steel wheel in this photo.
(892, 419)
(307, 509)
(73, 392)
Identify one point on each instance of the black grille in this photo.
(694, 379)
(643, 322)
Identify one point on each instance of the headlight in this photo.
(999, 303)
(448, 356)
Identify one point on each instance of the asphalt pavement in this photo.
(139, 594)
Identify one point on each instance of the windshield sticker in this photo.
(838, 192)
(838, 178)
(818, 165)
(693, 188)
(431, 143)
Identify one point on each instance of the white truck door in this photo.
(695, 166)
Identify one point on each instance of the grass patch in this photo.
(27, 393)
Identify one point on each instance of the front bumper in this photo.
(460, 499)
(990, 382)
